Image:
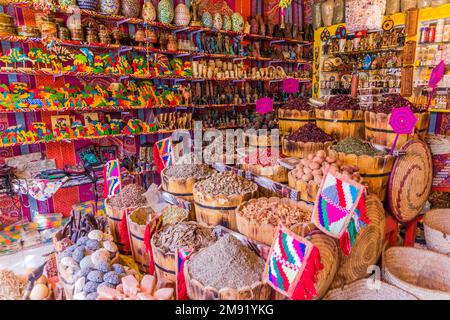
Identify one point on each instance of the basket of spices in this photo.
(172, 214)
(226, 270)
(258, 219)
(117, 207)
(264, 164)
(423, 273)
(308, 174)
(179, 180)
(437, 230)
(294, 114)
(137, 222)
(341, 117)
(217, 198)
(184, 235)
(308, 139)
(379, 131)
(375, 164)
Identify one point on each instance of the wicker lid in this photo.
(410, 181)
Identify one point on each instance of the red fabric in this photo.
(345, 244)
(157, 158)
(123, 230)
(181, 283)
(148, 247)
(306, 289)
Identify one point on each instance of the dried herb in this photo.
(342, 102)
(300, 103)
(358, 147)
(392, 102)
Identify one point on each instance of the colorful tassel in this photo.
(345, 244)
(123, 231)
(148, 248)
(306, 289)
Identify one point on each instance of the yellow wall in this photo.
(399, 19)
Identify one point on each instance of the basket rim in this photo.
(386, 157)
(433, 224)
(163, 174)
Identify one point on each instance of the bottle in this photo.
(432, 34)
(355, 81)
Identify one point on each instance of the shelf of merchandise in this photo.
(440, 110)
(124, 48)
(396, 49)
(122, 19)
(127, 108)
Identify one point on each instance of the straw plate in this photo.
(360, 290)
(437, 230)
(423, 273)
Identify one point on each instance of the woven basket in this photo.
(341, 124)
(423, 273)
(359, 290)
(302, 149)
(437, 230)
(329, 257)
(290, 120)
(367, 248)
(114, 219)
(410, 181)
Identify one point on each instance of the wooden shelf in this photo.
(440, 110)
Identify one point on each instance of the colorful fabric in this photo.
(150, 229)
(113, 183)
(292, 265)
(182, 257)
(162, 153)
(340, 210)
(41, 189)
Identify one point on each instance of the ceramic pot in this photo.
(165, 11)
(217, 21)
(110, 6)
(237, 22)
(182, 15)
(67, 3)
(88, 4)
(327, 12)
(131, 8)
(226, 22)
(148, 11)
(253, 26)
(207, 19)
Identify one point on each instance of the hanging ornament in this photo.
(388, 24)
(402, 121)
(325, 35)
(282, 5)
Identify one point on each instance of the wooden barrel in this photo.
(302, 149)
(290, 120)
(437, 230)
(367, 248)
(261, 141)
(180, 188)
(307, 191)
(379, 131)
(375, 170)
(273, 172)
(360, 290)
(197, 291)
(114, 219)
(136, 233)
(220, 209)
(341, 124)
(165, 262)
(423, 273)
(265, 233)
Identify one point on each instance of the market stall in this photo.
(223, 150)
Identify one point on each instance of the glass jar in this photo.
(423, 3)
(392, 6)
(327, 12)
(339, 11)
(317, 15)
(408, 4)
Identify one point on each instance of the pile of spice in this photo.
(11, 286)
(392, 102)
(186, 235)
(312, 168)
(300, 104)
(226, 184)
(196, 171)
(173, 214)
(268, 211)
(341, 102)
(140, 217)
(226, 264)
(358, 147)
(309, 133)
(131, 196)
